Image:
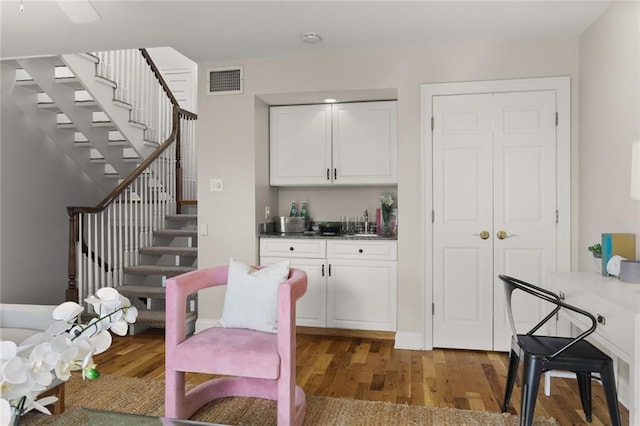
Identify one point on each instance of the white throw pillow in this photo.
(251, 300)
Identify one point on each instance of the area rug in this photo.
(137, 396)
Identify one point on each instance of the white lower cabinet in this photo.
(351, 283)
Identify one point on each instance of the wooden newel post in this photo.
(72, 287)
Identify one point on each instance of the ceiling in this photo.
(228, 31)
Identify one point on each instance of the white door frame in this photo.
(561, 85)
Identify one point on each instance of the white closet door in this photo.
(494, 169)
(462, 199)
(524, 197)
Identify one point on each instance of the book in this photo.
(621, 244)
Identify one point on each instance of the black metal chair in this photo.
(544, 353)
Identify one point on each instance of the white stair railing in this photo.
(107, 238)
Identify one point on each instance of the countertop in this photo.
(370, 237)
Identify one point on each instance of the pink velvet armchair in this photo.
(256, 364)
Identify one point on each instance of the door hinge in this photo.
(556, 118)
(433, 216)
(557, 216)
(431, 123)
(433, 309)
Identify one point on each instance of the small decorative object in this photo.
(386, 201)
(27, 370)
(596, 250)
(613, 265)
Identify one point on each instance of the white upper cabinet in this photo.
(339, 144)
(300, 145)
(365, 143)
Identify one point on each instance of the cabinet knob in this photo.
(290, 248)
(360, 251)
(601, 320)
(561, 295)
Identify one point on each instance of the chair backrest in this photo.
(511, 284)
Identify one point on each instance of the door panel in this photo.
(494, 169)
(524, 200)
(462, 185)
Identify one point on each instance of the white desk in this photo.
(618, 332)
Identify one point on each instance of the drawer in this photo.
(281, 247)
(362, 249)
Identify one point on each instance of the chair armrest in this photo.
(581, 336)
(178, 289)
(288, 294)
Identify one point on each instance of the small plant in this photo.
(596, 249)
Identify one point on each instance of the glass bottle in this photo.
(304, 210)
(294, 209)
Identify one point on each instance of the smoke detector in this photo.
(311, 38)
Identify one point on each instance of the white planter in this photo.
(597, 262)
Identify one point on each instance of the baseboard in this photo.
(408, 340)
(343, 332)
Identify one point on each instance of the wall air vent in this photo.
(225, 80)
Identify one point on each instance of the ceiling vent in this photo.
(225, 80)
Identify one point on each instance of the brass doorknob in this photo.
(503, 235)
(483, 234)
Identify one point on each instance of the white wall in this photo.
(228, 146)
(37, 183)
(609, 123)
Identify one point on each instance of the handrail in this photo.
(158, 75)
(129, 185)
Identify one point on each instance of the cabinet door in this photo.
(362, 294)
(300, 145)
(311, 308)
(365, 147)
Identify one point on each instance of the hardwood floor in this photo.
(371, 369)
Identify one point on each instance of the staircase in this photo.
(114, 116)
(174, 251)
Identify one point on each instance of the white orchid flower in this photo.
(14, 371)
(8, 350)
(5, 412)
(131, 314)
(120, 327)
(101, 342)
(41, 361)
(41, 404)
(67, 311)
